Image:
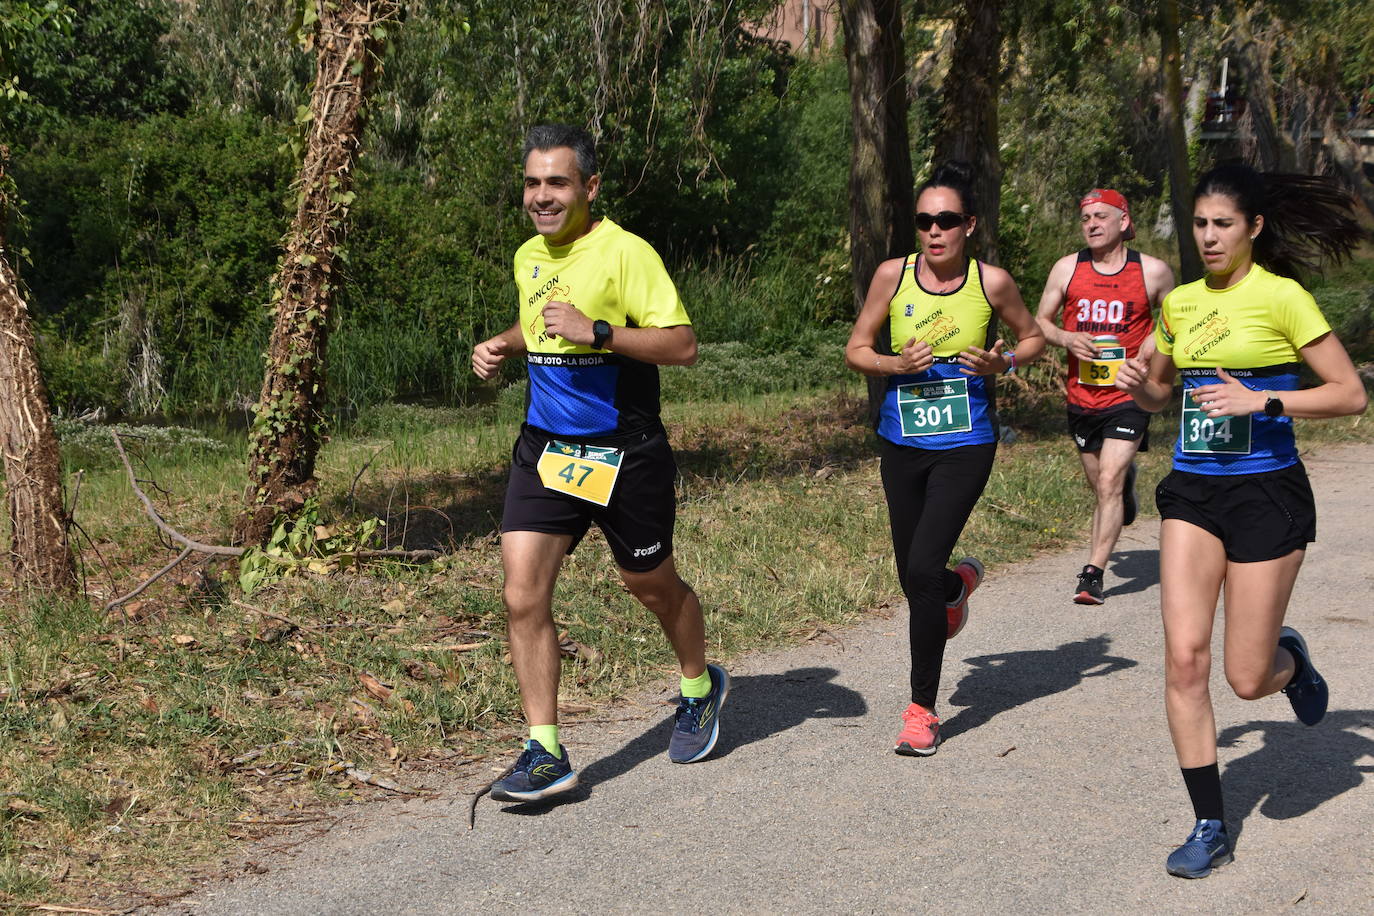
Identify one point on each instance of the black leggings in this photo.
(930, 493)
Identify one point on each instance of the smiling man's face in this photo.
(557, 197)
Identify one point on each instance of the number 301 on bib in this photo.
(933, 408)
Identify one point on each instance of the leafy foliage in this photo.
(302, 543)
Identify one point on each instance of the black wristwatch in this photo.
(1273, 407)
(601, 332)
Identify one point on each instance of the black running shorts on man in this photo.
(1256, 517)
(1128, 422)
(638, 521)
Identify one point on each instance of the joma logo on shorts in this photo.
(646, 551)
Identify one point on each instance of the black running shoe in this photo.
(1128, 503)
(1089, 586)
(1307, 692)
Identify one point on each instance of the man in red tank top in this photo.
(1107, 294)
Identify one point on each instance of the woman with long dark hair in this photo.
(1237, 510)
(929, 326)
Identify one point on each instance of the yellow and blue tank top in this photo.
(1254, 331)
(575, 391)
(940, 408)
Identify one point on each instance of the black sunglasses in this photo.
(945, 219)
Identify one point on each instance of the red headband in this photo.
(1112, 199)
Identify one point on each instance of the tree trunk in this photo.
(1274, 149)
(289, 420)
(1171, 112)
(39, 549)
(968, 113)
(1345, 159)
(881, 210)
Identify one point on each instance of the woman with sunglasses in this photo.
(1237, 510)
(929, 326)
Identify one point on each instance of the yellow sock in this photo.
(547, 735)
(697, 686)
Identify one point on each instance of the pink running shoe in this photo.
(920, 732)
(971, 571)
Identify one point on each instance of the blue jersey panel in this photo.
(980, 431)
(1252, 444)
(573, 400)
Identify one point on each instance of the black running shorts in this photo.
(1256, 517)
(638, 522)
(1126, 422)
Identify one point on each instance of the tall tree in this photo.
(1172, 114)
(881, 210)
(1252, 46)
(39, 549)
(347, 37)
(967, 126)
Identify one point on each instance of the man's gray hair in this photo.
(549, 136)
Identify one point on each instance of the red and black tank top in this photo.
(1107, 306)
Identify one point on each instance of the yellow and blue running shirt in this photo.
(1254, 331)
(576, 391)
(940, 408)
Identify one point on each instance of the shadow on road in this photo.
(1297, 768)
(759, 706)
(1140, 569)
(1004, 681)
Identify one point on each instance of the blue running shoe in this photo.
(697, 721)
(537, 775)
(1206, 848)
(1307, 691)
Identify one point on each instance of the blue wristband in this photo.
(1010, 357)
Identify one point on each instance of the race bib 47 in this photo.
(586, 471)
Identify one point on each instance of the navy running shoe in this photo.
(1207, 847)
(1129, 507)
(537, 775)
(1307, 691)
(697, 721)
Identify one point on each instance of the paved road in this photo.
(1056, 790)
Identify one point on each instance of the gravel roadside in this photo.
(1055, 791)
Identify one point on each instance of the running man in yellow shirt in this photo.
(598, 315)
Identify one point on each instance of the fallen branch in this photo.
(190, 546)
(472, 802)
(185, 552)
(157, 519)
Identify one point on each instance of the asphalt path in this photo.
(1055, 791)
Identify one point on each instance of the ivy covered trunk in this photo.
(881, 210)
(347, 37)
(968, 112)
(39, 549)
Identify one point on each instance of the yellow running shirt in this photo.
(1254, 331)
(942, 407)
(609, 274)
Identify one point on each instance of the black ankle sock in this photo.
(1204, 790)
(1094, 571)
(954, 586)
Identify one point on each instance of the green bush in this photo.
(89, 446)
(811, 359)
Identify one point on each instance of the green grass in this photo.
(135, 746)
